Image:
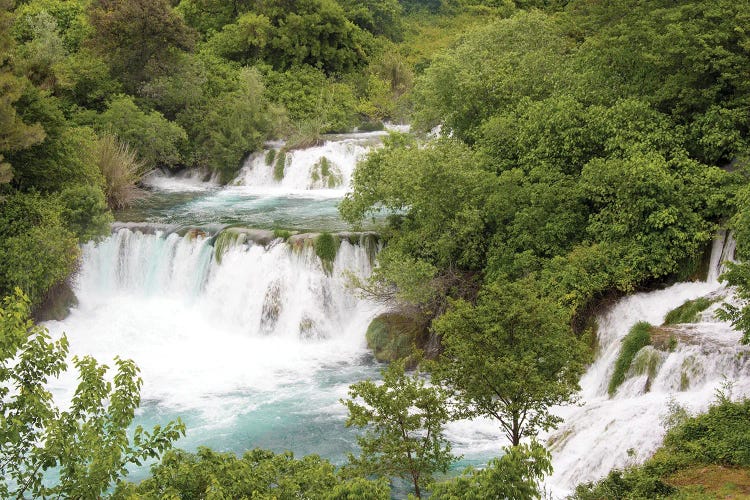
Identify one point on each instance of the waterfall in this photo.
(606, 432)
(326, 169)
(264, 317)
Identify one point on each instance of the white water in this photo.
(342, 153)
(206, 334)
(606, 433)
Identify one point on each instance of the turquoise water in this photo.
(233, 206)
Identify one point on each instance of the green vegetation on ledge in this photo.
(637, 338)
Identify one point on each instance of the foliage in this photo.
(257, 474)
(138, 38)
(326, 247)
(719, 436)
(404, 420)
(85, 211)
(689, 312)
(88, 444)
(121, 170)
(637, 338)
(515, 476)
(156, 140)
(235, 124)
(31, 226)
(510, 357)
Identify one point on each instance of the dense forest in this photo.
(564, 153)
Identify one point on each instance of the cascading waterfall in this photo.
(200, 330)
(613, 432)
(326, 169)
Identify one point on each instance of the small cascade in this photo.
(685, 364)
(722, 251)
(326, 169)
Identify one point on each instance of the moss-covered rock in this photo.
(57, 303)
(392, 337)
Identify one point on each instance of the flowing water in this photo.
(255, 345)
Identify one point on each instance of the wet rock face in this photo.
(309, 329)
(271, 311)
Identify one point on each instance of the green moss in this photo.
(689, 312)
(638, 338)
(326, 247)
(270, 157)
(278, 169)
(392, 337)
(326, 172)
(646, 362)
(282, 233)
(223, 242)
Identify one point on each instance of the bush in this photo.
(156, 140)
(85, 211)
(638, 338)
(121, 170)
(37, 251)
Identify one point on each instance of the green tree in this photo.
(234, 125)
(88, 444)
(403, 420)
(514, 476)
(156, 140)
(15, 134)
(510, 357)
(257, 474)
(138, 37)
(36, 249)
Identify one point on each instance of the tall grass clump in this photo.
(637, 338)
(121, 170)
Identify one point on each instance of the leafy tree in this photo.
(510, 357)
(235, 124)
(379, 17)
(257, 474)
(88, 444)
(514, 476)
(15, 134)
(404, 422)
(36, 248)
(138, 37)
(157, 141)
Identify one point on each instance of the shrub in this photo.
(121, 170)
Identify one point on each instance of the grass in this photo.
(637, 338)
(278, 169)
(270, 157)
(689, 312)
(711, 481)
